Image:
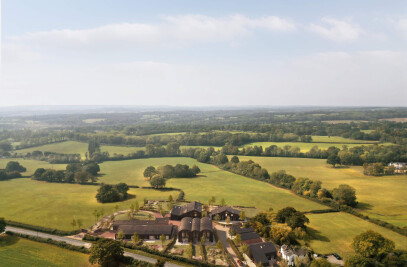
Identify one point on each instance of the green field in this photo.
(55, 205)
(20, 252)
(382, 197)
(236, 189)
(339, 139)
(73, 147)
(334, 232)
(304, 147)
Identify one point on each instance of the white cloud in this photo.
(194, 28)
(337, 30)
(338, 78)
(402, 25)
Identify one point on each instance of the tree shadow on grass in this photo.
(364, 206)
(8, 240)
(316, 235)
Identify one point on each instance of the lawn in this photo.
(382, 197)
(334, 232)
(73, 147)
(21, 252)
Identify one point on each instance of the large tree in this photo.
(106, 252)
(345, 194)
(14, 166)
(157, 181)
(333, 159)
(93, 147)
(359, 261)
(371, 244)
(150, 172)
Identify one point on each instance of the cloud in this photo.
(337, 78)
(402, 25)
(190, 28)
(337, 30)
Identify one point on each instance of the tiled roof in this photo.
(193, 206)
(260, 250)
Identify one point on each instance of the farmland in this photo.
(73, 147)
(210, 182)
(382, 197)
(339, 139)
(333, 232)
(24, 199)
(305, 147)
(21, 252)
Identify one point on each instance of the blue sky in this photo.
(204, 53)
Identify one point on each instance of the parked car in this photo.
(337, 256)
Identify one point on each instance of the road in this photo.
(223, 238)
(81, 243)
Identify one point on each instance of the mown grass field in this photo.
(235, 189)
(55, 205)
(382, 197)
(334, 232)
(20, 252)
(73, 147)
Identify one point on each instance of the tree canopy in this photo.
(371, 244)
(106, 252)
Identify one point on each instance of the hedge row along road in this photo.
(81, 243)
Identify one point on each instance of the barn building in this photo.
(192, 210)
(224, 212)
(193, 229)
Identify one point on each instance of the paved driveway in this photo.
(223, 238)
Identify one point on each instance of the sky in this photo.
(204, 53)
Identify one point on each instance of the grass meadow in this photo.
(20, 252)
(334, 232)
(235, 189)
(305, 147)
(381, 197)
(55, 205)
(339, 139)
(73, 147)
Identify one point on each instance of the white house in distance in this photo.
(289, 255)
(398, 165)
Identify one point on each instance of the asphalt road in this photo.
(81, 243)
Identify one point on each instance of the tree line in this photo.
(81, 173)
(13, 170)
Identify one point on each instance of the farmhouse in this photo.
(193, 210)
(289, 255)
(398, 165)
(225, 212)
(193, 229)
(263, 253)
